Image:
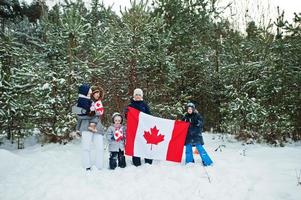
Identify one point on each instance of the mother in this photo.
(89, 138)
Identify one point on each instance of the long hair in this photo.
(96, 89)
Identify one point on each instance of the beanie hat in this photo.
(84, 89)
(138, 91)
(191, 105)
(115, 115)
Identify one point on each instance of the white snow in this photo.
(54, 172)
(46, 86)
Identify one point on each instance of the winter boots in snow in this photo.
(137, 161)
(121, 162)
(113, 163)
(117, 157)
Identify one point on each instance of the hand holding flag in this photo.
(118, 135)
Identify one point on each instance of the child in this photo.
(194, 136)
(116, 139)
(84, 103)
(97, 107)
(138, 103)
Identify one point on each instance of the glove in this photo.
(92, 108)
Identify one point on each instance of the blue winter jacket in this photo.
(83, 100)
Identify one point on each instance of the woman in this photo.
(89, 138)
(138, 103)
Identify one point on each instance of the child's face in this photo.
(137, 97)
(96, 95)
(189, 110)
(117, 120)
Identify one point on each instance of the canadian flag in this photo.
(99, 107)
(118, 134)
(153, 137)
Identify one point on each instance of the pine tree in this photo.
(62, 68)
(18, 82)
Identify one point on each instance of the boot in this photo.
(122, 162)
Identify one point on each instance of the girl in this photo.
(194, 136)
(116, 139)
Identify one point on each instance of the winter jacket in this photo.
(194, 135)
(114, 145)
(139, 105)
(86, 120)
(83, 100)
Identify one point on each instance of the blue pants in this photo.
(189, 153)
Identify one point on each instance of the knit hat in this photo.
(190, 105)
(138, 91)
(115, 115)
(84, 89)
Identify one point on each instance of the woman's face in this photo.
(189, 110)
(117, 120)
(137, 97)
(96, 95)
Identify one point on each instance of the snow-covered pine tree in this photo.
(134, 49)
(194, 43)
(98, 53)
(62, 69)
(260, 101)
(18, 81)
(150, 65)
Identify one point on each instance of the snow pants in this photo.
(117, 156)
(189, 153)
(89, 140)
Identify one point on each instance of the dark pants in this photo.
(117, 156)
(137, 161)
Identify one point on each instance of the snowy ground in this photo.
(54, 172)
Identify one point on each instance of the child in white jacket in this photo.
(116, 140)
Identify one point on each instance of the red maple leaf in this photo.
(152, 137)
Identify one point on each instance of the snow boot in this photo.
(136, 161)
(148, 161)
(112, 163)
(121, 162)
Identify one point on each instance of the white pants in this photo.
(88, 140)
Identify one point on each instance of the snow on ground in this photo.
(54, 172)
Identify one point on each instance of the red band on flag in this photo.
(176, 144)
(132, 125)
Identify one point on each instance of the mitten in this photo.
(92, 108)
